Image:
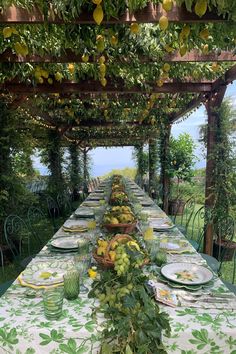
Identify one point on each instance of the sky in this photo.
(104, 160)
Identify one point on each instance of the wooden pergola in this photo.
(207, 92)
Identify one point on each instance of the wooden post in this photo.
(213, 118)
(152, 166)
(164, 178)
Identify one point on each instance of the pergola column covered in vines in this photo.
(153, 158)
(212, 107)
(54, 156)
(164, 178)
(75, 170)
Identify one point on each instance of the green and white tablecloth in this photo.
(204, 328)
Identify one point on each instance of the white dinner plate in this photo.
(67, 242)
(84, 213)
(186, 273)
(75, 224)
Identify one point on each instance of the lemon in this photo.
(97, 2)
(58, 76)
(182, 50)
(166, 67)
(71, 68)
(40, 80)
(214, 67)
(163, 23)
(14, 31)
(100, 43)
(200, 7)
(44, 73)
(18, 48)
(134, 28)
(185, 31)
(168, 48)
(102, 59)
(103, 82)
(160, 82)
(204, 34)
(7, 32)
(50, 81)
(85, 58)
(167, 5)
(98, 14)
(24, 50)
(102, 68)
(114, 41)
(205, 49)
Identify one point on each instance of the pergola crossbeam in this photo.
(150, 14)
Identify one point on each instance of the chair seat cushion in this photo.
(211, 261)
(230, 286)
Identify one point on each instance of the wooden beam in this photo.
(91, 86)
(150, 14)
(70, 57)
(189, 107)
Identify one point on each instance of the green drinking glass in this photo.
(71, 284)
(53, 302)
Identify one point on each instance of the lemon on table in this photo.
(7, 32)
(163, 23)
(167, 5)
(200, 7)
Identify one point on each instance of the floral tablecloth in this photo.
(197, 328)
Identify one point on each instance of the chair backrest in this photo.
(39, 224)
(64, 203)
(188, 210)
(224, 246)
(52, 207)
(200, 220)
(19, 237)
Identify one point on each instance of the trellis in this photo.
(206, 92)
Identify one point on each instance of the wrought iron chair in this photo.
(40, 225)
(183, 217)
(231, 284)
(223, 245)
(20, 239)
(53, 211)
(196, 232)
(64, 204)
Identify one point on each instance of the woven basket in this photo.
(105, 261)
(123, 228)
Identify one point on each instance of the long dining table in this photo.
(199, 324)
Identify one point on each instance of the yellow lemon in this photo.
(97, 2)
(114, 41)
(85, 58)
(182, 50)
(168, 48)
(134, 28)
(185, 31)
(7, 32)
(71, 68)
(163, 23)
(58, 76)
(24, 50)
(205, 49)
(215, 67)
(204, 34)
(40, 80)
(166, 67)
(167, 5)
(98, 14)
(18, 48)
(50, 81)
(100, 43)
(44, 73)
(102, 68)
(160, 82)
(103, 82)
(200, 7)
(102, 59)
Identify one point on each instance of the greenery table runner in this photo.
(207, 328)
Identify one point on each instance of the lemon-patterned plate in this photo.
(44, 273)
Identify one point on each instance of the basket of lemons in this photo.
(119, 219)
(121, 252)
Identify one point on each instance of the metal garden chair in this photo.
(182, 221)
(64, 204)
(40, 225)
(20, 239)
(224, 231)
(53, 211)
